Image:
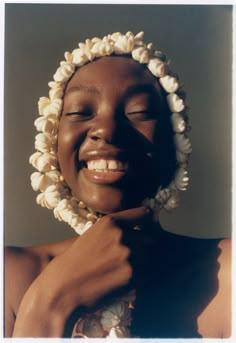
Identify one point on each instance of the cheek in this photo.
(148, 129)
(65, 142)
(69, 140)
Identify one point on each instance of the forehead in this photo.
(113, 71)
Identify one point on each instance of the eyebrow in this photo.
(82, 88)
(128, 91)
(142, 88)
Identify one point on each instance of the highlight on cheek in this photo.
(81, 104)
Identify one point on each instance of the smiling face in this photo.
(111, 132)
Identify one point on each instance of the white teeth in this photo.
(90, 165)
(113, 165)
(105, 165)
(100, 164)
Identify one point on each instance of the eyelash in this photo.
(82, 114)
(136, 115)
(145, 114)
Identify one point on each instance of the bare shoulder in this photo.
(22, 266)
(218, 310)
(225, 247)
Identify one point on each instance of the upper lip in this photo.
(106, 154)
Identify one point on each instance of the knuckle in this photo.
(117, 235)
(110, 218)
(127, 271)
(125, 252)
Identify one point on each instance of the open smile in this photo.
(104, 166)
(105, 171)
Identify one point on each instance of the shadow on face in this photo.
(115, 142)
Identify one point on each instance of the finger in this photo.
(132, 217)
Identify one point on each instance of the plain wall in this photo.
(198, 40)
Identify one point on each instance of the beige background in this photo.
(199, 41)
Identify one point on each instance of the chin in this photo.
(107, 200)
(103, 201)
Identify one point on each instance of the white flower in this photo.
(169, 83)
(82, 55)
(41, 181)
(181, 179)
(47, 124)
(181, 157)
(44, 162)
(149, 202)
(118, 313)
(64, 72)
(138, 38)
(119, 332)
(63, 211)
(81, 228)
(157, 67)
(172, 202)
(92, 217)
(43, 103)
(50, 198)
(113, 37)
(124, 44)
(102, 48)
(176, 104)
(56, 92)
(48, 107)
(163, 195)
(141, 54)
(129, 297)
(68, 57)
(178, 122)
(92, 328)
(45, 142)
(97, 39)
(150, 46)
(86, 46)
(182, 143)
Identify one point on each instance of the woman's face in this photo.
(107, 131)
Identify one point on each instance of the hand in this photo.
(96, 264)
(101, 259)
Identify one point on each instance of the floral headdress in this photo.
(55, 193)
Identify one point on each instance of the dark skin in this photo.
(182, 283)
(111, 116)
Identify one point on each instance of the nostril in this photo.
(103, 128)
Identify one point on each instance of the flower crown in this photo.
(55, 193)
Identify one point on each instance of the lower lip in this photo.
(108, 177)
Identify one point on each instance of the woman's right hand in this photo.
(95, 264)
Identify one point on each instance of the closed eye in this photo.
(142, 115)
(80, 115)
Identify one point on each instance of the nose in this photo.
(105, 127)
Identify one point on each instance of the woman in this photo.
(113, 151)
